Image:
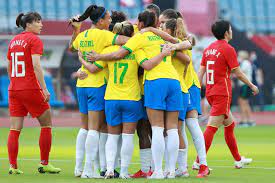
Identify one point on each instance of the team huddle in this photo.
(133, 77)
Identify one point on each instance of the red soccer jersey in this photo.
(20, 50)
(219, 58)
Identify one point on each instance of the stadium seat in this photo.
(53, 100)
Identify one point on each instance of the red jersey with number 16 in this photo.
(219, 58)
(20, 50)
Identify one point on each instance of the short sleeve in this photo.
(140, 56)
(203, 61)
(231, 58)
(76, 42)
(109, 38)
(36, 46)
(134, 43)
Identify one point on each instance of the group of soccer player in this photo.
(133, 77)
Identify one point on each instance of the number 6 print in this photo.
(16, 63)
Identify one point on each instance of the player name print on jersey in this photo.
(18, 43)
(212, 52)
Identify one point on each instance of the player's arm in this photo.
(121, 53)
(185, 59)
(201, 73)
(153, 62)
(121, 40)
(8, 69)
(241, 76)
(92, 67)
(40, 76)
(162, 34)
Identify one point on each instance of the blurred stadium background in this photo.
(253, 24)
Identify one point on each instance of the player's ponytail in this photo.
(124, 28)
(94, 12)
(22, 19)
(181, 29)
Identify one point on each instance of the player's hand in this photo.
(80, 57)
(254, 89)
(46, 94)
(81, 75)
(147, 29)
(166, 50)
(73, 21)
(92, 56)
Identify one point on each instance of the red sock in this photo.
(208, 137)
(231, 141)
(13, 147)
(45, 143)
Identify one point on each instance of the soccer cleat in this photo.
(157, 175)
(171, 175)
(102, 173)
(97, 175)
(203, 171)
(109, 175)
(180, 173)
(116, 174)
(48, 169)
(121, 176)
(15, 171)
(196, 166)
(149, 173)
(244, 161)
(86, 175)
(139, 174)
(77, 173)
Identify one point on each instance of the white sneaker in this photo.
(109, 175)
(77, 173)
(157, 175)
(180, 173)
(242, 162)
(86, 175)
(171, 175)
(196, 166)
(121, 176)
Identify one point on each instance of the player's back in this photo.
(20, 51)
(219, 58)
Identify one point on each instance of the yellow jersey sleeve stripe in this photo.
(114, 40)
(143, 61)
(126, 48)
(174, 54)
(99, 66)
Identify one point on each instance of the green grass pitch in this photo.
(257, 143)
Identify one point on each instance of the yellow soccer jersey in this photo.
(191, 75)
(151, 45)
(96, 40)
(123, 81)
(179, 66)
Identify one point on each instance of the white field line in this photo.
(137, 163)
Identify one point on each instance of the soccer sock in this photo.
(91, 149)
(166, 155)
(118, 158)
(182, 162)
(173, 148)
(126, 153)
(158, 147)
(231, 141)
(111, 151)
(102, 156)
(45, 143)
(185, 153)
(80, 148)
(13, 145)
(145, 159)
(198, 139)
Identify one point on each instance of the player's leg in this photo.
(231, 142)
(102, 142)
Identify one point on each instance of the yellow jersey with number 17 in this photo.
(123, 81)
(93, 40)
(151, 44)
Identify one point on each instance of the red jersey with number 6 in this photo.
(20, 51)
(219, 58)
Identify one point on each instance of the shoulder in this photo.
(110, 49)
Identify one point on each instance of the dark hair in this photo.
(148, 18)
(22, 19)
(170, 13)
(177, 27)
(124, 28)
(94, 12)
(219, 28)
(153, 7)
(117, 16)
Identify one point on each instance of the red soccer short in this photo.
(23, 101)
(220, 105)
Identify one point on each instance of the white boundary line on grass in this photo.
(136, 163)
